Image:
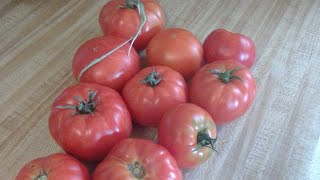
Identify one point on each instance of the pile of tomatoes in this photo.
(185, 90)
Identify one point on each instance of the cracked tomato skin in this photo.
(89, 136)
(114, 70)
(124, 22)
(222, 44)
(178, 132)
(224, 101)
(178, 49)
(55, 167)
(153, 162)
(147, 104)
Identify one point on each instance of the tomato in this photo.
(153, 91)
(54, 167)
(178, 49)
(226, 89)
(138, 159)
(87, 120)
(114, 70)
(189, 134)
(121, 18)
(222, 44)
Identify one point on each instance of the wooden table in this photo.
(278, 138)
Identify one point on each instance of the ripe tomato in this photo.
(114, 70)
(153, 91)
(138, 159)
(86, 120)
(188, 132)
(225, 45)
(121, 18)
(226, 89)
(54, 167)
(178, 49)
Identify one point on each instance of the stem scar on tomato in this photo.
(42, 176)
(137, 170)
(226, 76)
(83, 107)
(152, 79)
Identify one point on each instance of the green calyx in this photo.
(152, 79)
(226, 76)
(83, 107)
(131, 4)
(204, 140)
(42, 176)
(137, 170)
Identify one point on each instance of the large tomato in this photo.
(86, 120)
(54, 167)
(222, 44)
(188, 132)
(153, 91)
(114, 70)
(121, 18)
(178, 49)
(226, 89)
(138, 159)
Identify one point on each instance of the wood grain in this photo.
(278, 138)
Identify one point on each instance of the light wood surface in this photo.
(278, 138)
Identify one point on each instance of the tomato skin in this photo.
(89, 136)
(157, 162)
(178, 132)
(222, 44)
(224, 101)
(56, 166)
(113, 71)
(147, 104)
(124, 22)
(178, 49)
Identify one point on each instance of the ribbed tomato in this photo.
(225, 89)
(222, 44)
(153, 91)
(54, 167)
(137, 159)
(87, 120)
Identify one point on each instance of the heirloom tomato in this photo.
(225, 89)
(87, 120)
(133, 159)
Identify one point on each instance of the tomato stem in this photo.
(137, 170)
(226, 76)
(204, 140)
(152, 79)
(42, 176)
(130, 4)
(83, 107)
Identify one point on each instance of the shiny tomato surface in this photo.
(153, 91)
(176, 48)
(133, 159)
(87, 120)
(119, 19)
(114, 70)
(189, 134)
(54, 167)
(226, 89)
(222, 44)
